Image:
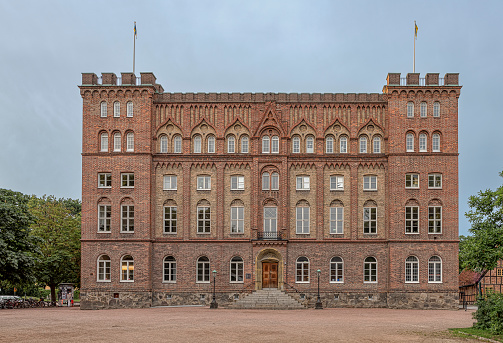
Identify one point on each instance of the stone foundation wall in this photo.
(99, 300)
(424, 301)
(201, 298)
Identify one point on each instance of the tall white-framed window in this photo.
(436, 109)
(363, 145)
(275, 144)
(336, 182)
(435, 219)
(170, 182)
(302, 219)
(245, 147)
(370, 183)
(302, 183)
(163, 144)
(337, 220)
(170, 219)
(309, 145)
(117, 142)
(422, 142)
(117, 109)
(296, 145)
(231, 145)
(104, 218)
(104, 142)
(203, 270)
(197, 144)
(104, 180)
(410, 109)
(104, 267)
(177, 144)
(435, 142)
(411, 219)
(412, 180)
(409, 142)
(265, 145)
(274, 181)
(370, 220)
(103, 109)
(343, 145)
(204, 183)
(302, 268)
(237, 270)
(127, 218)
(336, 270)
(211, 144)
(237, 219)
(169, 270)
(127, 180)
(127, 269)
(423, 109)
(266, 182)
(370, 270)
(377, 145)
(435, 181)
(434, 270)
(130, 141)
(129, 109)
(203, 219)
(411, 270)
(270, 219)
(329, 145)
(237, 183)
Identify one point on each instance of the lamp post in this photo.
(319, 305)
(214, 303)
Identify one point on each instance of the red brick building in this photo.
(266, 189)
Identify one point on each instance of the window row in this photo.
(105, 180)
(117, 142)
(423, 109)
(117, 109)
(105, 218)
(434, 180)
(423, 142)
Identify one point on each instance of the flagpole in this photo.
(414, 63)
(134, 45)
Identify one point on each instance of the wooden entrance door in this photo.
(269, 274)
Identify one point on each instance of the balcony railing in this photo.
(269, 236)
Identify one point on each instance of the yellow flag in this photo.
(415, 30)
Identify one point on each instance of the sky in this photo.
(237, 46)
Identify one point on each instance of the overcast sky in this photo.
(237, 46)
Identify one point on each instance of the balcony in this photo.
(269, 236)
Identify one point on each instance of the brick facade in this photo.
(299, 129)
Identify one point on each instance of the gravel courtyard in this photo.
(200, 324)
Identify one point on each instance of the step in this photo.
(273, 299)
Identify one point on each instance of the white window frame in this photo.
(363, 145)
(245, 148)
(274, 181)
(410, 109)
(104, 217)
(170, 219)
(236, 270)
(423, 109)
(329, 145)
(103, 269)
(271, 222)
(211, 144)
(310, 145)
(163, 144)
(409, 142)
(130, 142)
(103, 109)
(435, 223)
(302, 270)
(117, 142)
(302, 217)
(237, 183)
(169, 269)
(343, 145)
(117, 109)
(411, 180)
(302, 183)
(336, 220)
(127, 180)
(435, 142)
(237, 219)
(104, 142)
(423, 141)
(170, 183)
(377, 145)
(435, 266)
(296, 145)
(203, 270)
(177, 146)
(104, 180)
(203, 183)
(337, 182)
(371, 267)
(412, 269)
(275, 145)
(370, 182)
(129, 109)
(204, 224)
(336, 270)
(197, 144)
(127, 218)
(411, 220)
(127, 269)
(370, 220)
(436, 109)
(266, 148)
(435, 178)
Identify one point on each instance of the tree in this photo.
(482, 250)
(16, 244)
(57, 225)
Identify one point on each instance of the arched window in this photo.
(103, 108)
(164, 144)
(197, 144)
(343, 145)
(104, 216)
(370, 270)
(274, 181)
(265, 145)
(117, 141)
(370, 217)
(435, 218)
(410, 109)
(411, 269)
(270, 219)
(104, 142)
(211, 144)
(203, 269)
(422, 142)
(237, 267)
(275, 145)
(302, 219)
(127, 218)
(245, 145)
(336, 270)
(129, 108)
(117, 109)
(422, 109)
(363, 145)
(266, 185)
(336, 218)
(436, 109)
(434, 269)
(237, 217)
(302, 275)
(435, 142)
(329, 145)
(127, 269)
(103, 269)
(309, 145)
(377, 145)
(203, 217)
(177, 149)
(231, 144)
(130, 141)
(169, 269)
(296, 145)
(409, 142)
(170, 214)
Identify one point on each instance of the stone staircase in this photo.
(268, 299)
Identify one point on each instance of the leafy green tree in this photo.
(16, 244)
(57, 225)
(482, 250)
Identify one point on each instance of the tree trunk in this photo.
(53, 292)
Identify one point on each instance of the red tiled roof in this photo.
(469, 277)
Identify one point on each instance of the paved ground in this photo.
(199, 324)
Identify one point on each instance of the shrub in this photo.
(489, 314)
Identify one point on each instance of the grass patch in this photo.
(464, 332)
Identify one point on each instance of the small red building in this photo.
(472, 283)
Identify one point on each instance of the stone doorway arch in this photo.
(269, 255)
